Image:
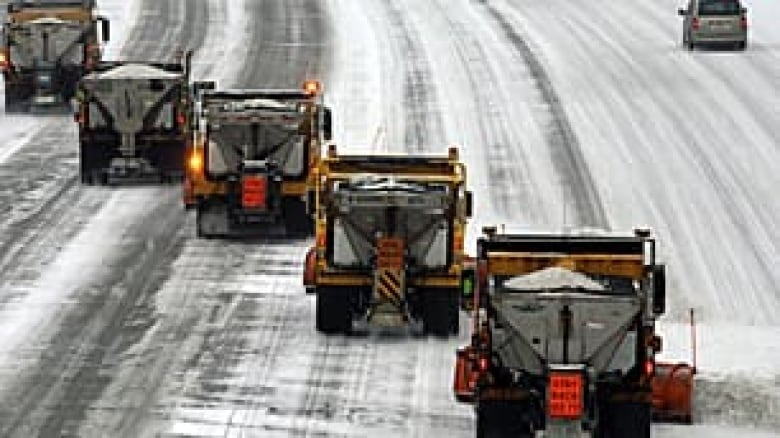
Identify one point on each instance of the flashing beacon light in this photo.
(312, 88)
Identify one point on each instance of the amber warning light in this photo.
(312, 87)
(196, 162)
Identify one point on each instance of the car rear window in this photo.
(719, 7)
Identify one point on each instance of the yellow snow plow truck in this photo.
(47, 46)
(564, 337)
(389, 241)
(251, 164)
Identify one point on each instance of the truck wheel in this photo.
(297, 220)
(503, 420)
(626, 419)
(440, 312)
(333, 314)
(13, 104)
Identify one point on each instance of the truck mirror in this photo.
(327, 124)
(659, 289)
(467, 282)
(105, 29)
(469, 204)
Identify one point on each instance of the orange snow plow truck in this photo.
(564, 341)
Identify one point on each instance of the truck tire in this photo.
(298, 223)
(333, 314)
(503, 420)
(440, 312)
(13, 102)
(626, 419)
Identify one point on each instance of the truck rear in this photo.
(389, 241)
(564, 337)
(251, 164)
(47, 46)
(134, 122)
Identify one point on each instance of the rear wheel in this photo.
(440, 312)
(333, 314)
(296, 218)
(626, 419)
(13, 102)
(742, 45)
(503, 420)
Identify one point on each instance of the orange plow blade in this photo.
(673, 393)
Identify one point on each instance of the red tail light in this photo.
(181, 119)
(254, 192)
(743, 24)
(695, 23)
(483, 364)
(649, 367)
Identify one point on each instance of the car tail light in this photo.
(695, 23)
(743, 23)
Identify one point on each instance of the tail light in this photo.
(4, 60)
(181, 119)
(743, 23)
(254, 192)
(483, 363)
(649, 368)
(695, 24)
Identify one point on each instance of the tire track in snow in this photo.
(508, 178)
(69, 375)
(580, 189)
(290, 44)
(423, 127)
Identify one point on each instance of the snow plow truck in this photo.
(47, 46)
(134, 122)
(389, 241)
(251, 164)
(564, 341)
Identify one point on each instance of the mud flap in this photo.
(309, 267)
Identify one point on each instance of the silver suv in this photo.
(714, 22)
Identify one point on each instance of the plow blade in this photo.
(673, 393)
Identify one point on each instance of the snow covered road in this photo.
(116, 321)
